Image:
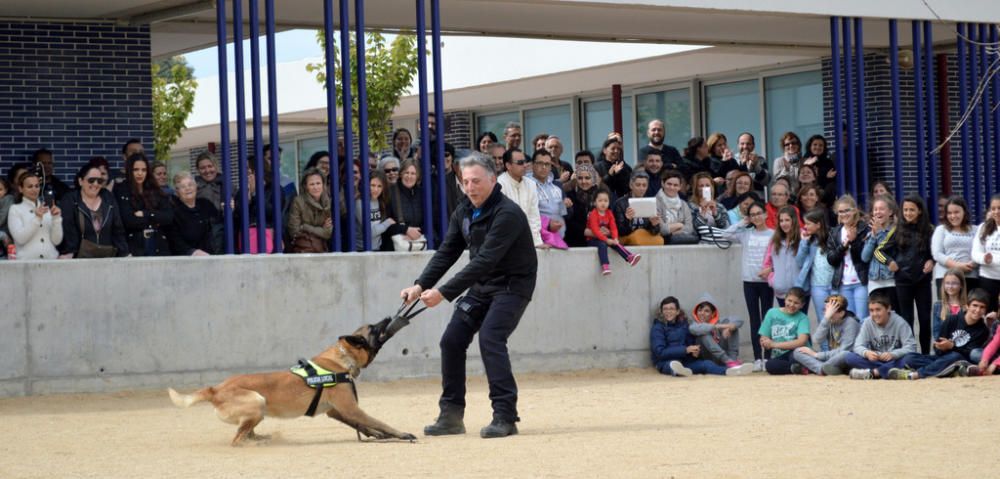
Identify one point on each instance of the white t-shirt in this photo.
(850, 274)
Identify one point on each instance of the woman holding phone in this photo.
(705, 212)
(35, 226)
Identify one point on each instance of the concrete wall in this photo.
(104, 325)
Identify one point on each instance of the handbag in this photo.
(401, 242)
(306, 242)
(90, 249)
(713, 235)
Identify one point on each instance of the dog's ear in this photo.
(356, 341)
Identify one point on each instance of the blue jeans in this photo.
(602, 250)
(818, 294)
(929, 366)
(697, 366)
(856, 361)
(857, 299)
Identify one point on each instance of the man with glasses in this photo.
(551, 206)
(777, 199)
(524, 193)
(512, 136)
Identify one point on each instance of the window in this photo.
(793, 103)
(307, 147)
(732, 108)
(673, 107)
(496, 123)
(598, 121)
(553, 120)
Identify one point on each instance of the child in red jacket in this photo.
(600, 217)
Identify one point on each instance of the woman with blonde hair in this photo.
(843, 252)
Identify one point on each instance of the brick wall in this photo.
(79, 89)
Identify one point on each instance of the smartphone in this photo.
(706, 192)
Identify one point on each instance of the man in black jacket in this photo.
(500, 278)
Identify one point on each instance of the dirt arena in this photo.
(606, 423)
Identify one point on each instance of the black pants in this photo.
(893, 298)
(494, 318)
(759, 298)
(919, 293)
(780, 364)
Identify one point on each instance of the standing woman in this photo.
(843, 251)
(986, 252)
(779, 261)
(883, 223)
(818, 155)
(908, 256)
(35, 227)
(191, 232)
(145, 209)
(758, 295)
(815, 272)
(951, 244)
(787, 165)
(92, 227)
(406, 206)
(309, 222)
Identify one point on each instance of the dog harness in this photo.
(318, 379)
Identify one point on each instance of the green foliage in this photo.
(389, 71)
(173, 99)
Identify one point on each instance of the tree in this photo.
(173, 99)
(390, 71)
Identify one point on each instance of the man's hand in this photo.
(871, 355)
(694, 350)
(432, 297)
(885, 357)
(943, 344)
(411, 294)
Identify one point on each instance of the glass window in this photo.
(732, 108)
(496, 123)
(553, 120)
(792, 103)
(673, 107)
(307, 147)
(598, 122)
(289, 166)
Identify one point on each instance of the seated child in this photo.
(719, 338)
(884, 339)
(960, 335)
(838, 329)
(673, 348)
(785, 329)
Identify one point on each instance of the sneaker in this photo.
(862, 374)
(973, 370)
(798, 369)
(733, 364)
(758, 365)
(832, 370)
(963, 368)
(633, 259)
(679, 369)
(953, 369)
(605, 270)
(899, 373)
(740, 370)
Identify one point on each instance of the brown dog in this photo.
(247, 398)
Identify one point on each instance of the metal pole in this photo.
(345, 85)
(241, 126)
(442, 199)
(987, 105)
(944, 123)
(918, 106)
(837, 119)
(258, 130)
(272, 124)
(331, 124)
(963, 103)
(974, 128)
(227, 183)
(897, 148)
(425, 151)
(359, 39)
(932, 169)
(859, 56)
(848, 150)
(995, 161)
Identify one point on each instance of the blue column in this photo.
(331, 124)
(987, 119)
(425, 150)
(963, 104)
(995, 97)
(918, 106)
(272, 115)
(932, 169)
(241, 126)
(227, 183)
(442, 199)
(977, 160)
(848, 150)
(838, 129)
(359, 37)
(258, 130)
(862, 164)
(897, 149)
(345, 85)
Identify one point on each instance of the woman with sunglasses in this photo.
(90, 213)
(787, 165)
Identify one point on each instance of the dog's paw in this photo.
(408, 437)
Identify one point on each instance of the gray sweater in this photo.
(754, 248)
(840, 337)
(895, 337)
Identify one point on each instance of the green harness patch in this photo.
(315, 376)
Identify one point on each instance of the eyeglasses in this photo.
(391, 170)
(521, 162)
(845, 212)
(97, 180)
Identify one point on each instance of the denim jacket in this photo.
(804, 259)
(877, 270)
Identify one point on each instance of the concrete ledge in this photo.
(96, 326)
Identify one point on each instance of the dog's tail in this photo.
(186, 400)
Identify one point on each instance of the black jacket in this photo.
(502, 255)
(617, 183)
(155, 217)
(192, 227)
(112, 231)
(835, 252)
(626, 226)
(909, 258)
(671, 157)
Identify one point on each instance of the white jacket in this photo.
(979, 250)
(525, 194)
(34, 239)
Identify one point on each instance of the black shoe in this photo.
(448, 422)
(498, 428)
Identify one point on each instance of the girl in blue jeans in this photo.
(843, 252)
(815, 272)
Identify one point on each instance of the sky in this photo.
(466, 61)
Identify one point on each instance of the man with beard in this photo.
(656, 132)
(653, 165)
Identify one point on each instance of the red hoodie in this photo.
(595, 220)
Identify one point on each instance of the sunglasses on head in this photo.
(97, 180)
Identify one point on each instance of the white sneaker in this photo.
(857, 373)
(741, 370)
(679, 369)
(758, 365)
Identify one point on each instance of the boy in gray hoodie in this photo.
(719, 337)
(884, 339)
(839, 328)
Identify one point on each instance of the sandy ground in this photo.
(606, 423)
